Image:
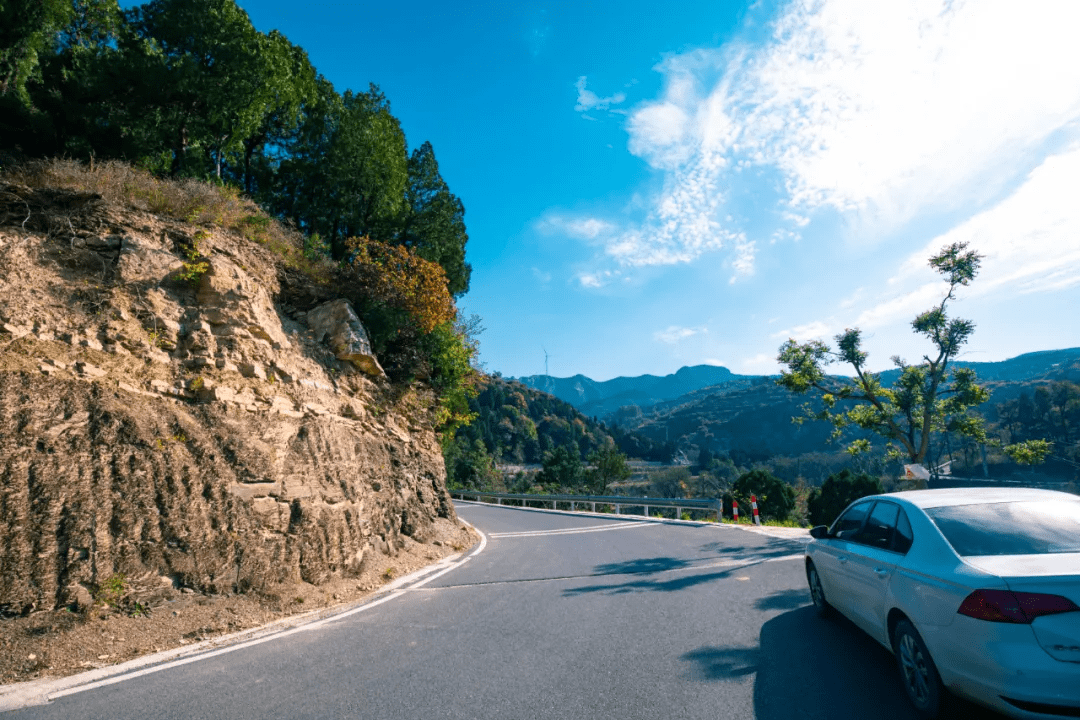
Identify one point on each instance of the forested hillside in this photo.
(1034, 396)
(515, 424)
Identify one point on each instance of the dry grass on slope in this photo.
(189, 200)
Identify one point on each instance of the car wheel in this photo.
(817, 593)
(917, 671)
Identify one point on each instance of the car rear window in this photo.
(1010, 528)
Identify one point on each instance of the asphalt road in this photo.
(559, 616)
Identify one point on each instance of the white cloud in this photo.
(816, 330)
(892, 107)
(590, 280)
(675, 334)
(1031, 243)
(761, 364)
(743, 263)
(588, 100)
(542, 276)
(881, 111)
(581, 228)
(598, 279)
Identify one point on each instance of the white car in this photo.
(973, 590)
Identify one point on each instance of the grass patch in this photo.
(111, 591)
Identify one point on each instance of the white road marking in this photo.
(574, 531)
(39, 693)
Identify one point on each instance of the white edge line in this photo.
(764, 530)
(572, 531)
(71, 685)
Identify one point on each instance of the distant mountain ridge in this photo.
(602, 398)
(599, 398)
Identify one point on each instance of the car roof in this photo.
(978, 495)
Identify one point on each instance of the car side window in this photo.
(848, 525)
(903, 536)
(878, 530)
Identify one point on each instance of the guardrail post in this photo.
(617, 508)
(554, 505)
(594, 507)
(498, 501)
(646, 510)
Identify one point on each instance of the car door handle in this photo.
(881, 572)
(842, 558)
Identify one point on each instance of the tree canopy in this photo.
(926, 397)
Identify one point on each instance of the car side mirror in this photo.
(819, 532)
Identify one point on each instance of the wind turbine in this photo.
(548, 382)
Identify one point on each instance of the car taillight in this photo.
(1013, 607)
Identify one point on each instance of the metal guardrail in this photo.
(709, 505)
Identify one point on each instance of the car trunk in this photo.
(1053, 574)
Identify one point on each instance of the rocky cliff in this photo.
(178, 408)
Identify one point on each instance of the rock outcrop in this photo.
(337, 323)
(181, 422)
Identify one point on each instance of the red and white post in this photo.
(735, 510)
(753, 504)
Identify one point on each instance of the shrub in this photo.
(397, 281)
(775, 498)
(837, 492)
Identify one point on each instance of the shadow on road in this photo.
(811, 669)
(654, 566)
(775, 547)
(672, 585)
(783, 600)
(641, 566)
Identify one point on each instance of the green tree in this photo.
(837, 492)
(468, 465)
(203, 78)
(562, 468)
(609, 465)
(926, 398)
(293, 86)
(1029, 452)
(28, 29)
(671, 482)
(433, 220)
(295, 182)
(367, 166)
(775, 498)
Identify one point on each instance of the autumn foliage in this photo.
(395, 279)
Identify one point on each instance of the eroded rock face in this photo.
(190, 433)
(338, 323)
(99, 481)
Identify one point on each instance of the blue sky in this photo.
(652, 185)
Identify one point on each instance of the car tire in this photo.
(817, 592)
(918, 674)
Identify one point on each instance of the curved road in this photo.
(560, 616)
